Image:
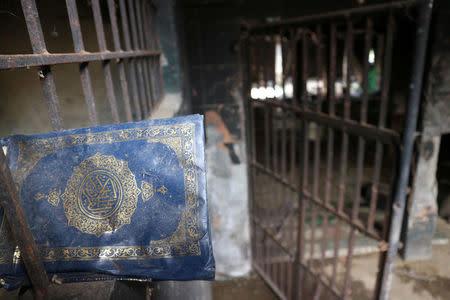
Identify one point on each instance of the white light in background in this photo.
(313, 86)
(254, 91)
(371, 56)
(261, 93)
(288, 88)
(270, 91)
(278, 92)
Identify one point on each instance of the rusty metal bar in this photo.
(269, 281)
(335, 14)
(347, 103)
(331, 110)
(120, 63)
(157, 61)
(154, 63)
(293, 133)
(360, 155)
(317, 150)
(398, 207)
(266, 136)
(304, 168)
(384, 135)
(130, 64)
(31, 15)
(138, 63)
(148, 44)
(47, 59)
(274, 140)
(317, 201)
(110, 95)
(10, 201)
(342, 216)
(330, 146)
(86, 82)
(142, 45)
(386, 78)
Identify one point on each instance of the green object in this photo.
(373, 85)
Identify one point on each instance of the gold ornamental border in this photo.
(31, 151)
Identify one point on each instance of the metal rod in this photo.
(138, 63)
(142, 45)
(47, 59)
(31, 15)
(334, 14)
(120, 63)
(110, 95)
(130, 64)
(10, 201)
(86, 82)
(360, 155)
(386, 78)
(384, 135)
(398, 207)
(148, 44)
(304, 168)
(331, 110)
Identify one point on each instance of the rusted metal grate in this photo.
(311, 151)
(140, 80)
(137, 62)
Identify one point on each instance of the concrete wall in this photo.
(423, 207)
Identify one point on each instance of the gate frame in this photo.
(390, 250)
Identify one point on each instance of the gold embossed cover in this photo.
(126, 199)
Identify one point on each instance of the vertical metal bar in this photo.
(120, 63)
(304, 168)
(10, 201)
(140, 21)
(316, 167)
(45, 75)
(106, 63)
(386, 78)
(360, 155)
(330, 146)
(331, 112)
(267, 135)
(86, 83)
(158, 66)
(149, 45)
(274, 140)
(131, 65)
(293, 135)
(398, 206)
(347, 103)
(135, 38)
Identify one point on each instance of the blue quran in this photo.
(127, 200)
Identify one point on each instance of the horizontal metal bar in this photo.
(383, 135)
(269, 281)
(278, 178)
(335, 14)
(257, 222)
(320, 279)
(330, 209)
(47, 59)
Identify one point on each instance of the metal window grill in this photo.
(309, 154)
(140, 79)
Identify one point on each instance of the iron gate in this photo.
(137, 63)
(324, 146)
